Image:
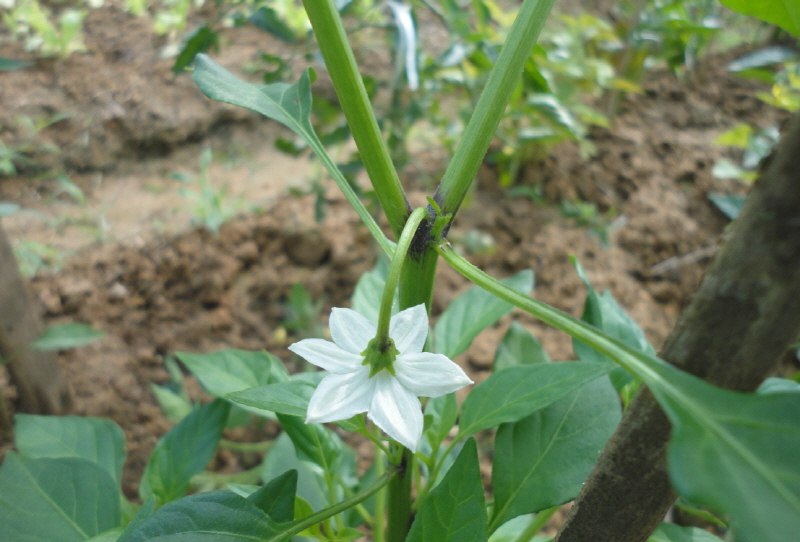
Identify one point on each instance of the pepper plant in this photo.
(733, 453)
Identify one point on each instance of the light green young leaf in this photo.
(455, 510)
(669, 532)
(444, 411)
(65, 499)
(282, 457)
(288, 104)
(784, 13)
(516, 392)
(518, 347)
(64, 336)
(184, 452)
(229, 371)
(472, 312)
(216, 516)
(313, 442)
(98, 440)
(542, 460)
(290, 397)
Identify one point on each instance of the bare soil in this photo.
(157, 287)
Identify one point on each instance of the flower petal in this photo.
(327, 355)
(396, 410)
(340, 396)
(429, 375)
(409, 328)
(351, 331)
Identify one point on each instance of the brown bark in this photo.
(738, 325)
(41, 386)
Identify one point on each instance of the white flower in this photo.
(389, 400)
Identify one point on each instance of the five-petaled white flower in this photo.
(390, 400)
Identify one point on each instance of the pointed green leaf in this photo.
(276, 499)
(669, 532)
(147, 510)
(184, 452)
(290, 397)
(95, 439)
(313, 441)
(516, 392)
(455, 510)
(64, 336)
(735, 453)
(472, 312)
(542, 460)
(310, 482)
(228, 371)
(784, 13)
(65, 499)
(217, 516)
(518, 347)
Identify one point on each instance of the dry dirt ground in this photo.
(162, 291)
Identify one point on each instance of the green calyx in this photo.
(379, 355)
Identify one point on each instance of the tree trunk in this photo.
(41, 386)
(740, 322)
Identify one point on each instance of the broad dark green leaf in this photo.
(217, 516)
(518, 347)
(65, 499)
(443, 411)
(276, 499)
(455, 510)
(95, 439)
(669, 532)
(184, 452)
(313, 441)
(516, 392)
(289, 397)
(63, 336)
(229, 371)
(542, 460)
(784, 13)
(472, 312)
(199, 42)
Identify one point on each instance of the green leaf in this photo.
(229, 371)
(518, 347)
(455, 510)
(267, 20)
(516, 392)
(98, 440)
(669, 532)
(542, 460)
(774, 385)
(63, 336)
(290, 397)
(216, 516)
(276, 499)
(184, 452)
(108, 536)
(147, 510)
(472, 312)
(66, 499)
(313, 441)
(729, 205)
(200, 42)
(310, 482)
(735, 453)
(784, 13)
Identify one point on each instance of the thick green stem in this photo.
(492, 104)
(347, 81)
(398, 512)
